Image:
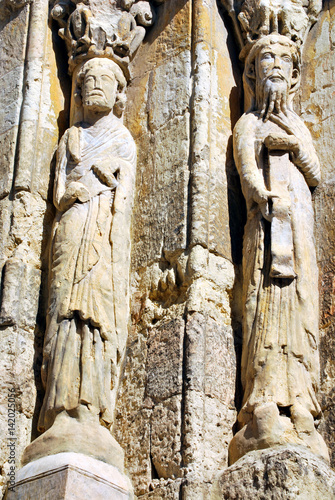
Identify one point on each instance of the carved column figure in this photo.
(278, 166)
(90, 250)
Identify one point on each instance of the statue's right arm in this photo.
(252, 181)
(65, 196)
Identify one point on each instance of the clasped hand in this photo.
(286, 141)
(105, 170)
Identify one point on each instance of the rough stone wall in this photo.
(176, 409)
(31, 104)
(317, 109)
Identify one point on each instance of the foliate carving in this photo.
(277, 163)
(254, 19)
(94, 28)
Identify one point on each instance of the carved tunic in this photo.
(280, 323)
(81, 343)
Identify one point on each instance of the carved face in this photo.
(99, 89)
(274, 63)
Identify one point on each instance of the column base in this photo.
(284, 472)
(66, 476)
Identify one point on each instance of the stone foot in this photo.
(268, 428)
(69, 434)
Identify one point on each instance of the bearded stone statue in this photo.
(89, 271)
(277, 164)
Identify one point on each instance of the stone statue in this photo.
(89, 269)
(277, 165)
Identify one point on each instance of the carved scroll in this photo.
(282, 250)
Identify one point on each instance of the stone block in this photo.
(211, 358)
(68, 476)
(161, 203)
(170, 35)
(173, 99)
(166, 438)
(135, 435)
(20, 294)
(13, 41)
(7, 146)
(282, 472)
(165, 490)
(165, 358)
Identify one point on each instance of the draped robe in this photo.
(88, 280)
(280, 315)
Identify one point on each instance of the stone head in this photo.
(275, 60)
(100, 84)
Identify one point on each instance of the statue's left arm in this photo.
(297, 140)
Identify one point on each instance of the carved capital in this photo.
(254, 19)
(94, 28)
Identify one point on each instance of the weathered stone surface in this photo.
(13, 33)
(176, 407)
(165, 361)
(89, 271)
(285, 472)
(25, 221)
(166, 422)
(209, 398)
(278, 165)
(17, 390)
(163, 490)
(162, 179)
(170, 35)
(135, 435)
(316, 104)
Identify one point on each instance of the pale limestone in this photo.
(166, 442)
(70, 475)
(208, 81)
(280, 299)
(93, 186)
(316, 105)
(164, 368)
(286, 472)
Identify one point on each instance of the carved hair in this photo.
(104, 62)
(249, 76)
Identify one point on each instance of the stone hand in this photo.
(105, 171)
(283, 142)
(283, 120)
(263, 198)
(75, 191)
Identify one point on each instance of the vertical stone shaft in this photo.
(31, 107)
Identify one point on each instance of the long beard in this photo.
(271, 97)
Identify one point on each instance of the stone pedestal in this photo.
(68, 476)
(285, 472)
